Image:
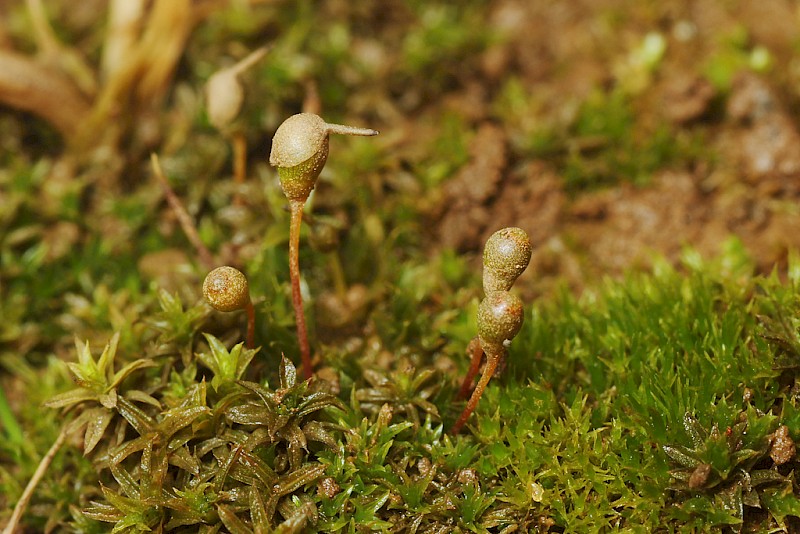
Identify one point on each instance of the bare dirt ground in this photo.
(748, 188)
(707, 145)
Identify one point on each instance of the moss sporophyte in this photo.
(299, 151)
(224, 98)
(500, 314)
(226, 290)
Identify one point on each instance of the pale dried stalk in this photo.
(42, 31)
(184, 219)
(312, 103)
(55, 54)
(150, 63)
(162, 44)
(25, 498)
(30, 86)
(244, 64)
(239, 166)
(124, 25)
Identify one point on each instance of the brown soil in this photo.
(741, 176)
(748, 189)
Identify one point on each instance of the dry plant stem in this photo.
(25, 498)
(251, 325)
(53, 53)
(350, 130)
(476, 353)
(30, 86)
(161, 46)
(337, 274)
(251, 59)
(296, 213)
(43, 32)
(125, 18)
(184, 219)
(239, 165)
(147, 67)
(311, 101)
(488, 372)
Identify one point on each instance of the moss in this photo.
(664, 401)
(585, 428)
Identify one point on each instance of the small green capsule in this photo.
(505, 257)
(300, 150)
(224, 91)
(226, 289)
(500, 317)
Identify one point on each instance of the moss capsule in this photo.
(300, 150)
(505, 257)
(500, 317)
(226, 289)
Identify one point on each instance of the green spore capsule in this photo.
(500, 317)
(506, 255)
(300, 150)
(226, 289)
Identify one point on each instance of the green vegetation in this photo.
(605, 142)
(657, 401)
(666, 401)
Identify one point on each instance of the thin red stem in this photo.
(488, 372)
(476, 353)
(239, 165)
(251, 325)
(184, 219)
(296, 211)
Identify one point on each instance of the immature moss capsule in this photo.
(500, 317)
(224, 97)
(224, 91)
(226, 290)
(300, 150)
(500, 313)
(505, 257)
